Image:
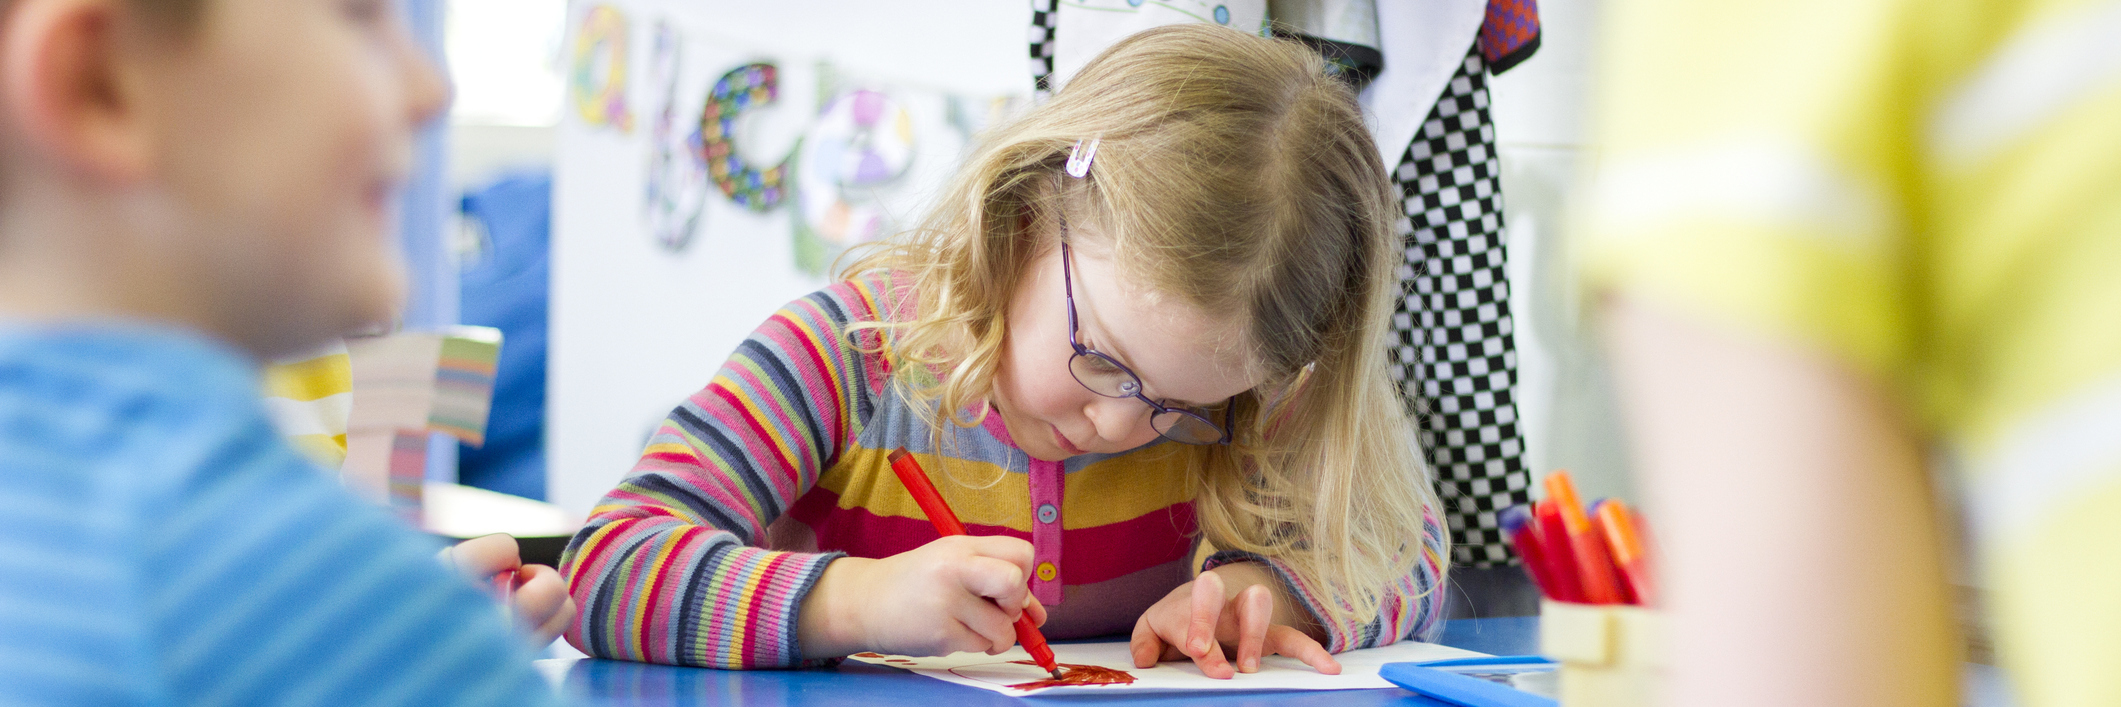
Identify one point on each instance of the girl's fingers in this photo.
(1207, 611)
(557, 624)
(995, 629)
(1200, 631)
(1147, 647)
(1037, 610)
(1015, 551)
(1255, 612)
(483, 557)
(964, 636)
(995, 579)
(1283, 640)
(539, 594)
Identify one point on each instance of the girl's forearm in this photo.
(827, 623)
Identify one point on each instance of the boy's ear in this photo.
(63, 86)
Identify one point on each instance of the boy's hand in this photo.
(1198, 620)
(940, 598)
(538, 599)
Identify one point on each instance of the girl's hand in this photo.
(540, 602)
(940, 598)
(1198, 620)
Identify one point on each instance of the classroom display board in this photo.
(713, 159)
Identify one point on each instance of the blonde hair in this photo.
(1232, 173)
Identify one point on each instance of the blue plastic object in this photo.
(1488, 660)
(1458, 689)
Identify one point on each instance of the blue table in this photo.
(607, 683)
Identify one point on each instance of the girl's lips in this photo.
(1064, 445)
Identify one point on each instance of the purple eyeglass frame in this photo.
(1068, 281)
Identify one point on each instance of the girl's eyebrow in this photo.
(1173, 401)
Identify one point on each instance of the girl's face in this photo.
(1183, 355)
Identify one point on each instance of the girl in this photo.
(1150, 312)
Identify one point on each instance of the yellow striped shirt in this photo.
(1930, 191)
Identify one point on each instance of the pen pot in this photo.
(1611, 655)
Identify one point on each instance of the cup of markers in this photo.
(1598, 618)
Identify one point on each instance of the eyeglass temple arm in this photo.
(1068, 282)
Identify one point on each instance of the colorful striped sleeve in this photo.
(669, 568)
(1411, 608)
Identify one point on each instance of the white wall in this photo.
(1540, 109)
(636, 328)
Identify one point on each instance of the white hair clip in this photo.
(1079, 158)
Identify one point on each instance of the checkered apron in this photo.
(1455, 348)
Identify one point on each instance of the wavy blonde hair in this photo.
(1235, 174)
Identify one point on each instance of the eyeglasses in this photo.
(1108, 377)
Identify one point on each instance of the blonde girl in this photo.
(1146, 316)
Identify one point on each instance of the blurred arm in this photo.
(1804, 559)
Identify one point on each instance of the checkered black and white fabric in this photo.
(1044, 19)
(1455, 348)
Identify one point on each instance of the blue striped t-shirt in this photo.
(161, 545)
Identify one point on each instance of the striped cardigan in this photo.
(703, 554)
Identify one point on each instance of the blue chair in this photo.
(508, 287)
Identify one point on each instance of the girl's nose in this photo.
(1122, 421)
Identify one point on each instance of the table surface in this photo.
(608, 683)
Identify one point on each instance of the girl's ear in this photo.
(69, 90)
(1284, 402)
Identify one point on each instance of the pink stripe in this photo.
(753, 648)
(727, 579)
(758, 441)
(725, 404)
(658, 634)
(794, 339)
(790, 433)
(1092, 555)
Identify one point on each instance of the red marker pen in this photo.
(939, 514)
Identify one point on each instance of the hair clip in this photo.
(1079, 158)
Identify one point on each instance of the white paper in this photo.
(996, 672)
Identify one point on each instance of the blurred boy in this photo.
(186, 187)
(1863, 255)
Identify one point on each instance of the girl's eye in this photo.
(1100, 365)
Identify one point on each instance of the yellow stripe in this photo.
(615, 613)
(670, 448)
(762, 418)
(328, 451)
(1125, 487)
(319, 377)
(980, 493)
(655, 570)
(734, 651)
(2058, 629)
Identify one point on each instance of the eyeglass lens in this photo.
(1108, 378)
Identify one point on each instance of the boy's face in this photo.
(282, 131)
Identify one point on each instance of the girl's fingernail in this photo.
(1200, 646)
